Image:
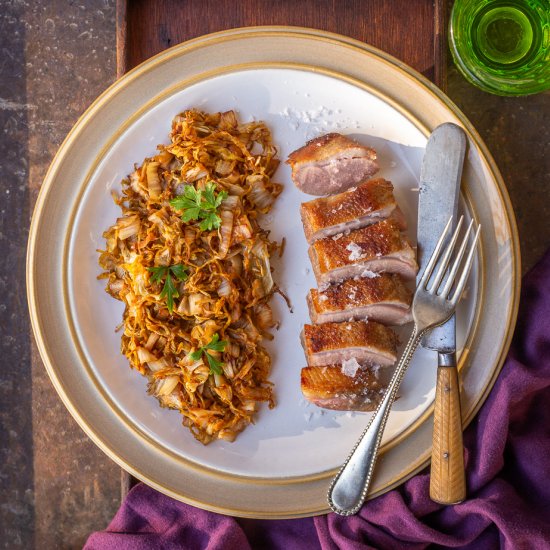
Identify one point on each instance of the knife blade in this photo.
(440, 177)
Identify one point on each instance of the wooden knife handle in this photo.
(447, 479)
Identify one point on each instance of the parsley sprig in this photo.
(200, 204)
(169, 291)
(214, 345)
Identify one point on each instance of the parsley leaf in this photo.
(196, 355)
(157, 273)
(211, 221)
(179, 271)
(209, 196)
(190, 214)
(191, 198)
(215, 365)
(214, 345)
(169, 290)
(200, 204)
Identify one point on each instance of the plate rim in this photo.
(181, 50)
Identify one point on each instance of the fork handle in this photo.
(447, 479)
(349, 488)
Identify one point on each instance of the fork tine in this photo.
(454, 269)
(434, 257)
(466, 270)
(446, 257)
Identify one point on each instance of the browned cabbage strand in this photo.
(229, 281)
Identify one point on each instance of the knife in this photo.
(440, 177)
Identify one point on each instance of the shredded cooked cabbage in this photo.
(186, 288)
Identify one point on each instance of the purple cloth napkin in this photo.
(508, 476)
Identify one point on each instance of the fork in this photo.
(433, 304)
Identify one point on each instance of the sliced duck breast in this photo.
(368, 203)
(364, 341)
(330, 164)
(378, 297)
(379, 247)
(329, 386)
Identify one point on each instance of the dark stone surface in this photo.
(70, 59)
(16, 445)
(56, 57)
(517, 132)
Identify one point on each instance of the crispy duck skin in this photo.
(379, 247)
(330, 164)
(364, 341)
(328, 387)
(368, 203)
(384, 298)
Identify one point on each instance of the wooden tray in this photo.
(414, 32)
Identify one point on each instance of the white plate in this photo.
(290, 440)
(282, 465)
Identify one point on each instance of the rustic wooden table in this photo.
(55, 485)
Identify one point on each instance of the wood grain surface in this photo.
(414, 32)
(447, 479)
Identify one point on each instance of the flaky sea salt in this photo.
(356, 252)
(350, 367)
(317, 121)
(375, 369)
(368, 274)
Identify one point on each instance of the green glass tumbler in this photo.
(502, 46)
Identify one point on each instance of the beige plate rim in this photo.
(181, 50)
